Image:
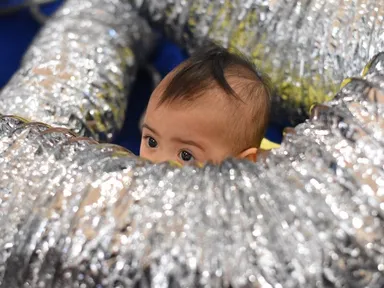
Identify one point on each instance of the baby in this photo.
(213, 106)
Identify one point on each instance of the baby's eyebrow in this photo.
(149, 128)
(188, 142)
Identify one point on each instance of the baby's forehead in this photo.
(212, 108)
(208, 95)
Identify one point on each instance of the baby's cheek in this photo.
(153, 155)
(215, 155)
(223, 153)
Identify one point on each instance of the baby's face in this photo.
(186, 133)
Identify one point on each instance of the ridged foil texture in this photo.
(75, 213)
(79, 70)
(307, 46)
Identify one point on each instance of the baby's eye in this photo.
(151, 142)
(186, 156)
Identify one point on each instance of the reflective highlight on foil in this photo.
(79, 69)
(307, 47)
(74, 213)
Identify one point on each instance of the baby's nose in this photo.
(161, 157)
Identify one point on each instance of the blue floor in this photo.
(17, 31)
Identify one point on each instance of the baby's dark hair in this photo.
(213, 66)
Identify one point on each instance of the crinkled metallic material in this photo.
(307, 46)
(74, 213)
(79, 70)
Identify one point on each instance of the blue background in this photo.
(18, 29)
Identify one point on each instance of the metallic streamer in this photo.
(307, 46)
(79, 70)
(74, 213)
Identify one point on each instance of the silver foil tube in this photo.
(74, 213)
(79, 70)
(307, 46)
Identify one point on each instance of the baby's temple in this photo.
(191, 143)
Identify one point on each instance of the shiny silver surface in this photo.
(74, 213)
(307, 46)
(78, 72)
